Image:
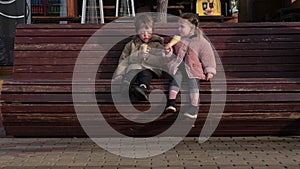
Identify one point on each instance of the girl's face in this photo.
(186, 29)
(145, 34)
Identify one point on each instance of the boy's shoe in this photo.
(141, 92)
(192, 112)
(171, 106)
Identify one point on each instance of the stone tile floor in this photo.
(216, 153)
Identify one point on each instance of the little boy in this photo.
(141, 59)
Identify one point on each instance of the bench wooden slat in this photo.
(103, 75)
(218, 46)
(61, 119)
(112, 67)
(103, 87)
(167, 25)
(160, 28)
(254, 126)
(250, 60)
(41, 108)
(214, 39)
(103, 98)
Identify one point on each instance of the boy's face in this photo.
(145, 34)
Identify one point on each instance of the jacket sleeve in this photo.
(158, 47)
(124, 60)
(156, 59)
(207, 57)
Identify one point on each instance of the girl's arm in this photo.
(207, 58)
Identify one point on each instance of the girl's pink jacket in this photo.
(198, 56)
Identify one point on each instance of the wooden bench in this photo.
(261, 62)
(5, 72)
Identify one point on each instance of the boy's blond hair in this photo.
(143, 21)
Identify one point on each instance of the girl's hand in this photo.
(168, 50)
(209, 76)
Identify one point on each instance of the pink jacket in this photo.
(198, 56)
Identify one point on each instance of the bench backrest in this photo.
(261, 62)
(244, 48)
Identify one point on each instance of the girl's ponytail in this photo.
(193, 19)
(199, 32)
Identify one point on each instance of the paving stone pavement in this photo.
(216, 153)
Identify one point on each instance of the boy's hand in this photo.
(145, 49)
(209, 76)
(145, 55)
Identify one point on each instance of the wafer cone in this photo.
(174, 40)
(144, 48)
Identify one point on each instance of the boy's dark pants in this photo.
(142, 77)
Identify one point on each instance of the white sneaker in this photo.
(171, 109)
(192, 112)
(192, 116)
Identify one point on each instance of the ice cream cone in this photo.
(174, 40)
(144, 48)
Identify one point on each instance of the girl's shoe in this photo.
(192, 112)
(170, 110)
(171, 107)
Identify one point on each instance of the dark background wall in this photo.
(7, 29)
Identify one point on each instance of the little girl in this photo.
(193, 58)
